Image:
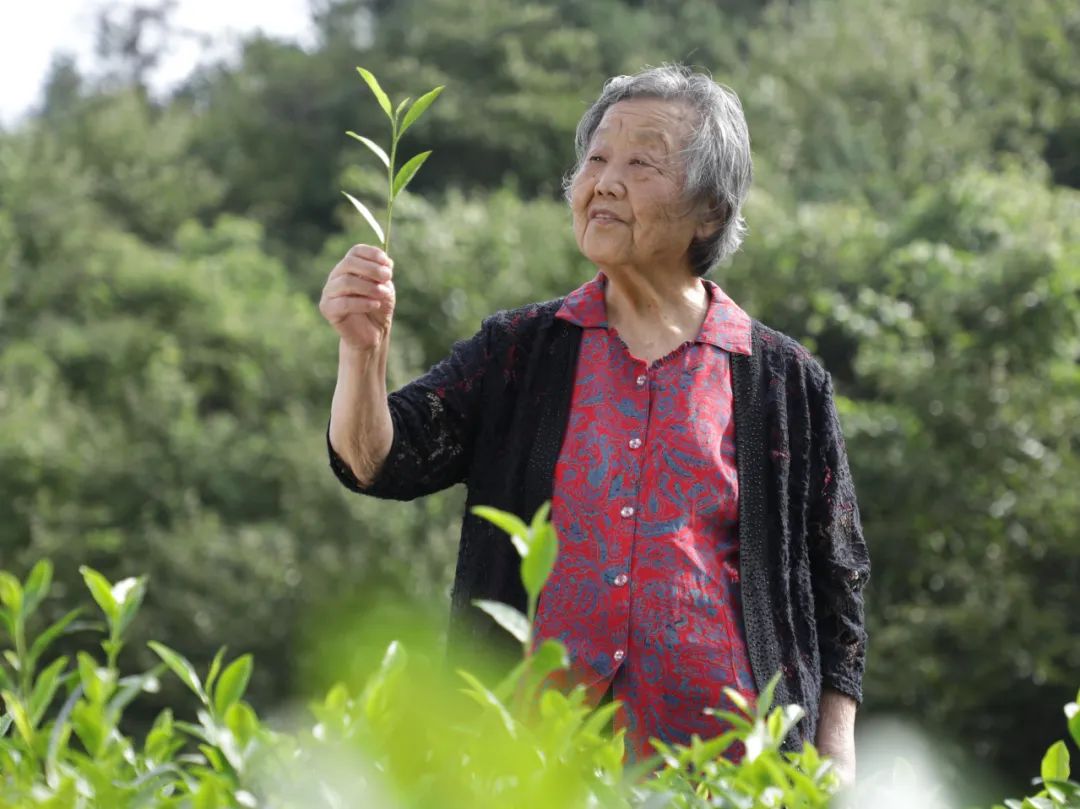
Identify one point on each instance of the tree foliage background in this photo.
(165, 377)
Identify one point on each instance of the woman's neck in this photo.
(668, 301)
(657, 313)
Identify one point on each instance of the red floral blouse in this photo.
(645, 591)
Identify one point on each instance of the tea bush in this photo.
(412, 737)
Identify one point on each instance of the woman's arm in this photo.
(361, 429)
(839, 560)
(840, 568)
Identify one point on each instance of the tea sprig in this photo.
(396, 179)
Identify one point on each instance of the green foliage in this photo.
(410, 738)
(1058, 792)
(396, 180)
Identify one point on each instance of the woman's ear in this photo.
(713, 218)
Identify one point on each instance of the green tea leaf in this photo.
(536, 567)
(1055, 764)
(180, 667)
(130, 687)
(215, 668)
(376, 148)
(11, 592)
(101, 590)
(37, 585)
(367, 215)
(243, 723)
(487, 700)
(19, 715)
(88, 720)
(400, 107)
(764, 702)
(1072, 713)
(234, 681)
(507, 617)
(377, 690)
(161, 742)
(45, 689)
(549, 656)
(738, 700)
(405, 174)
(419, 108)
(54, 631)
(510, 523)
(380, 96)
(129, 595)
(97, 682)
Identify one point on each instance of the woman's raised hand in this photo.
(358, 298)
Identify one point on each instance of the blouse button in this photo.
(635, 443)
(641, 380)
(619, 654)
(621, 579)
(627, 511)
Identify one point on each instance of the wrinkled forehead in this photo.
(648, 121)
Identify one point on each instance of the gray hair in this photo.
(718, 165)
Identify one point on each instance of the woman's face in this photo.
(627, 197)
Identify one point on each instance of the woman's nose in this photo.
(609, 180)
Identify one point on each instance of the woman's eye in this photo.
(596, 158)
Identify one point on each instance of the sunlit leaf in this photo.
(364, 212)
(101, 590)
(1055, 764)
(418, 108)
(37, 585)
(376, 148)
(45, 689)
(180, 667)
(215, 669)
(510, 523)
(20, 717)
(128, 595)
(1072, 712)
(11, 593)
(536, 567)
(406, 172)
(54, 631)
(507, 617)
(380, 96)
(234, 681)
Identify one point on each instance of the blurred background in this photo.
(170, 208)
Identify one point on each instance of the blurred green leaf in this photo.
(180, 667)
(1055, 764)
(234, 681)
(37, 585)
(507, 617)
(101, 590)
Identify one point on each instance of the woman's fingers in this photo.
(335, 309)
(365, 261)
(366, 251)
(350, 284)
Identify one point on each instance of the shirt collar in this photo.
(726, 325)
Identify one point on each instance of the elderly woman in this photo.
(709, 533)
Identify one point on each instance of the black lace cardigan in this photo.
(493, 414)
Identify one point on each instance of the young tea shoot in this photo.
(401, 118)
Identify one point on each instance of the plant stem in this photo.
(390, 184)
